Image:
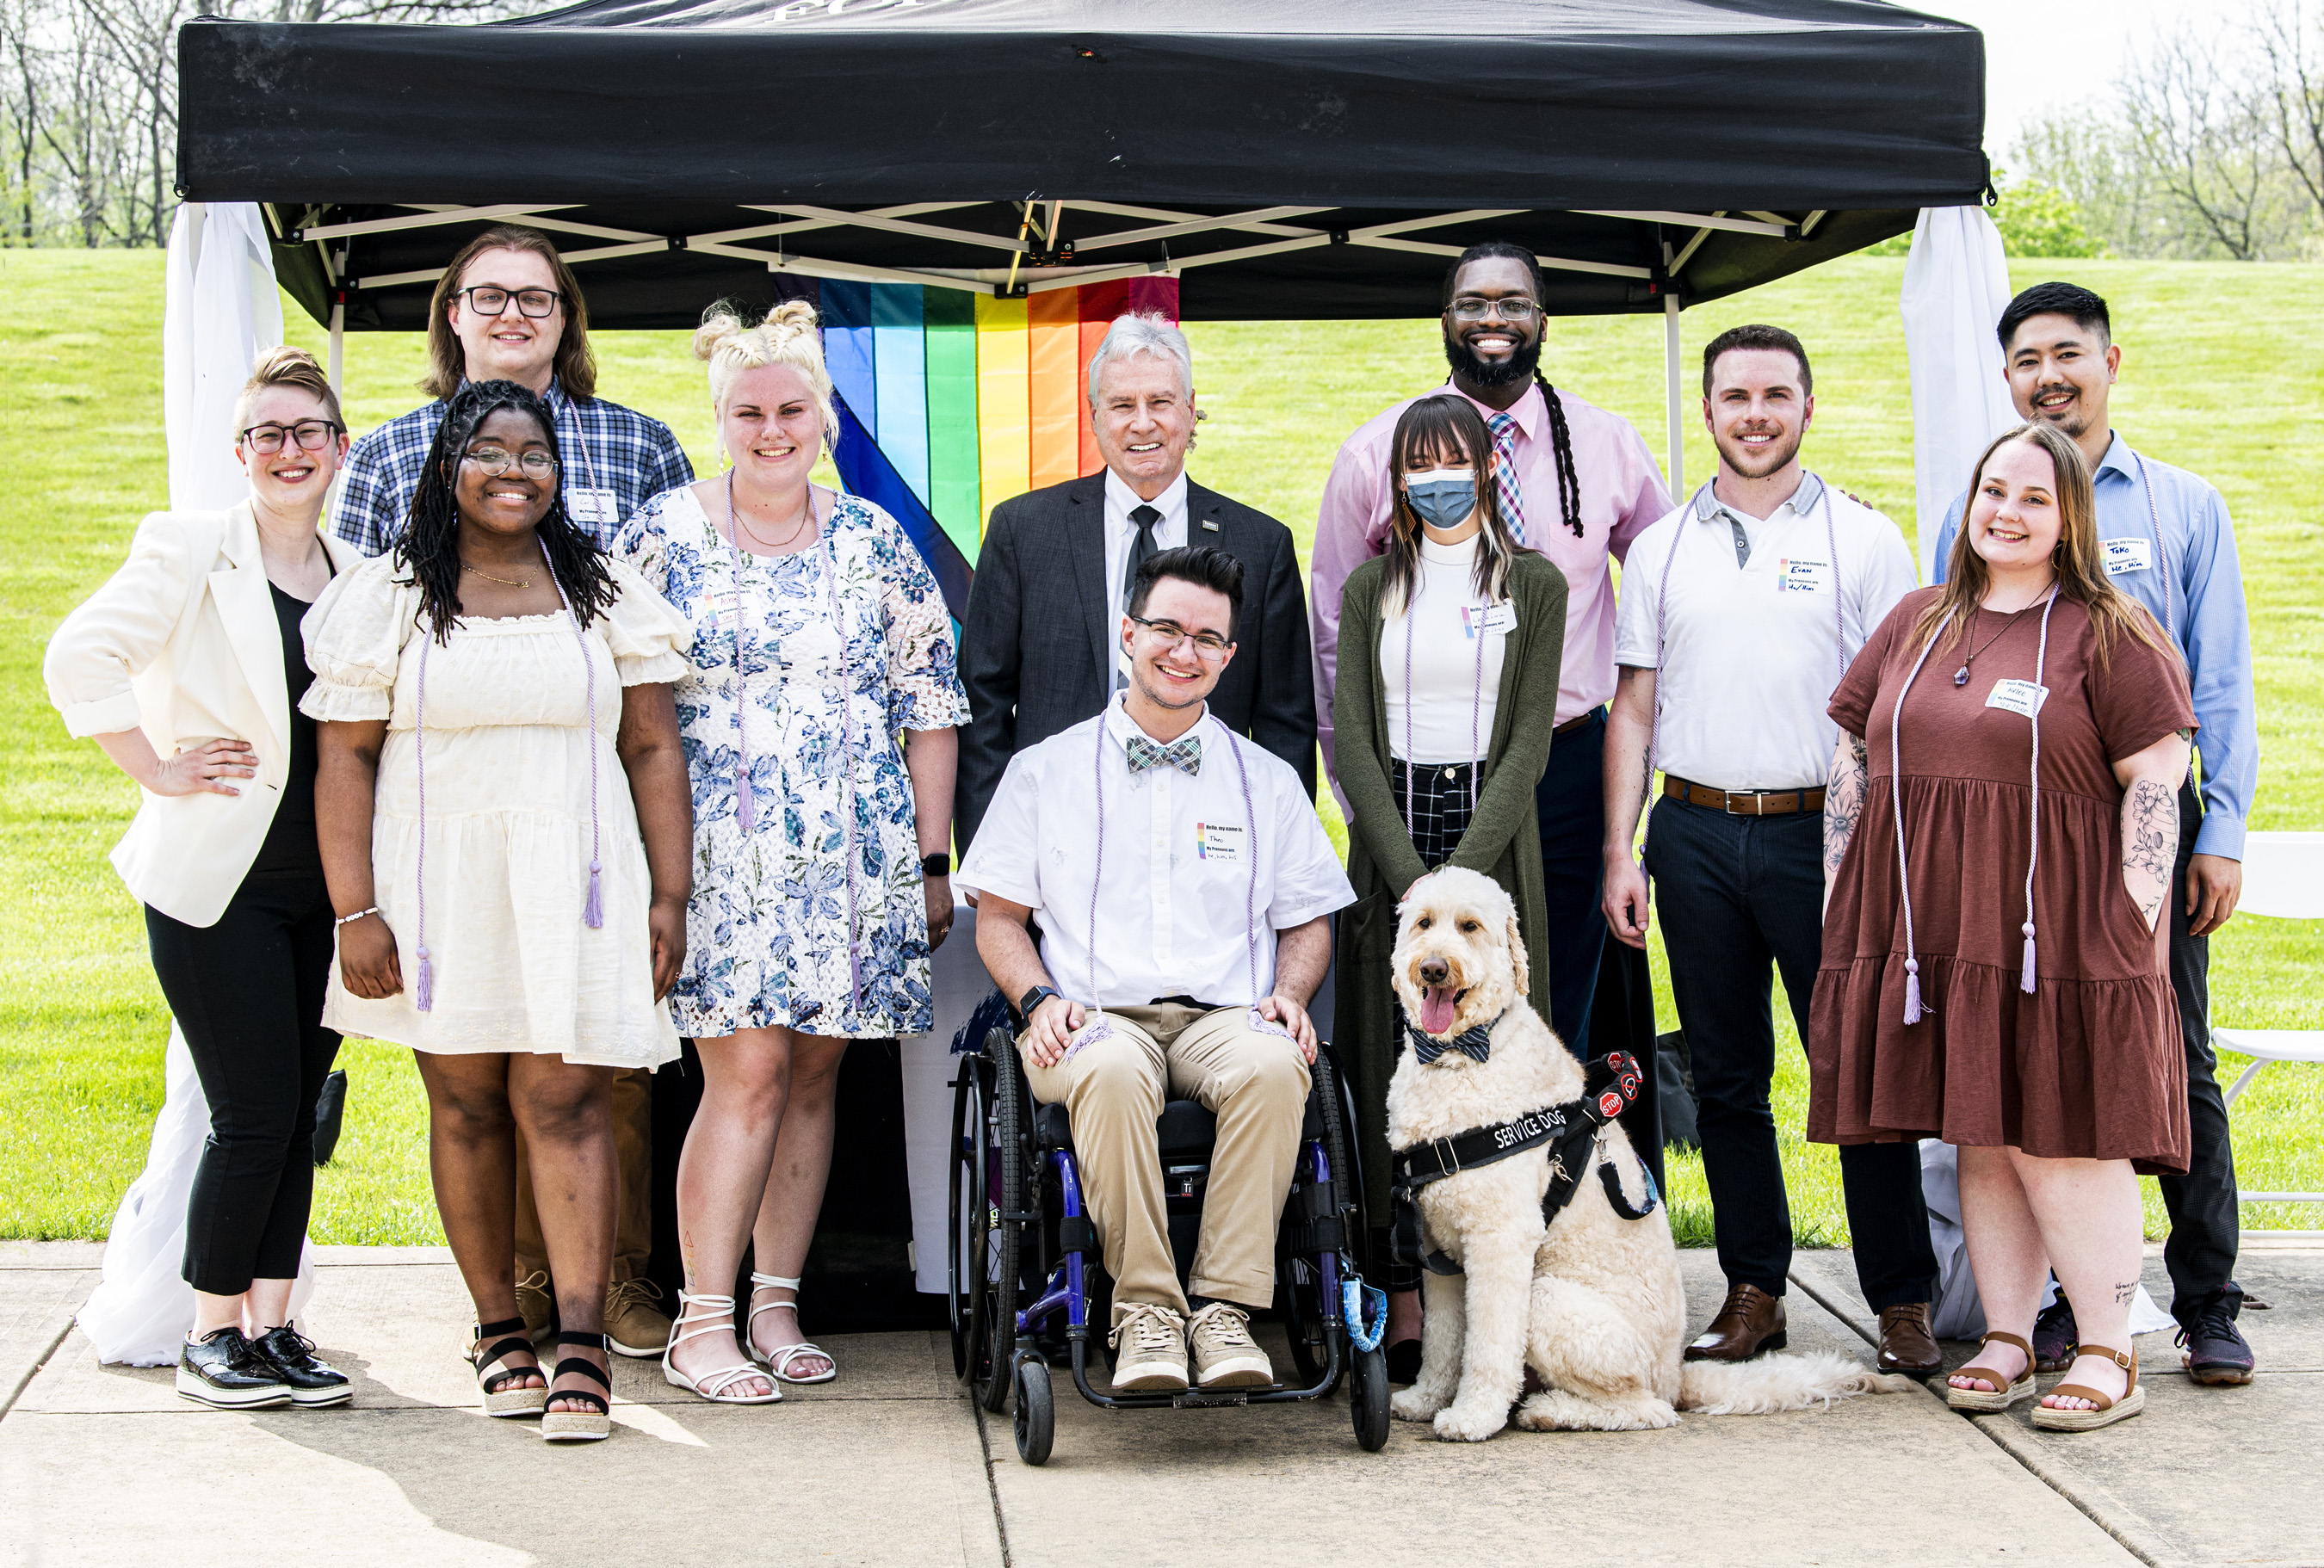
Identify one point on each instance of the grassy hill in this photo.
(2211, 378)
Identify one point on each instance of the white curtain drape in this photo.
(1956, 285)
(220, 310)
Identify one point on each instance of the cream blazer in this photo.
(182, 641)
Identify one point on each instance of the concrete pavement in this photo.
(890, 1464)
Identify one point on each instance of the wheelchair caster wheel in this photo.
(1037, 1414)
(1367, 1400)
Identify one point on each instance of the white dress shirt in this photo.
(1181, 859)
(1120, 532)
(1752, 646)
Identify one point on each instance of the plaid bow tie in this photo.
(1475, 1044)
(1186, 755)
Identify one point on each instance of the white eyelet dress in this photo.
(510, 825)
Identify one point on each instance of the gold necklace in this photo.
(735, 518)
(505, 582)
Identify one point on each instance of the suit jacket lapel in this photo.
(1085, 540)
(247, 610)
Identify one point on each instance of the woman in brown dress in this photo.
(2009, 991)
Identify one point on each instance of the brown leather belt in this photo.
(1569, 725)
(1745, 802)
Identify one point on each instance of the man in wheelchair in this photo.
(1172, 866)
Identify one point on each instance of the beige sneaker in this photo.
(1225, 1355)
(1152, 1341)
(634, 1326)
(533, 1300)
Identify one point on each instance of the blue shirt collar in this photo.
(2119, 457)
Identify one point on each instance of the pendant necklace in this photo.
(505, 582)
(1960, 676)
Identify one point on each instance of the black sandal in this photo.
(580, 1425)
(494, 1376)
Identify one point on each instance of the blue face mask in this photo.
(1442, 497)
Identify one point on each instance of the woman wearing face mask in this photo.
(2000, 833)
(504, 823)
(818, 715)
(1449, 650)
(186, 667)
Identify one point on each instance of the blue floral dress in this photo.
(767, 932)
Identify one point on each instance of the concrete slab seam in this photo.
(40, 1361)
(992, 1483)
(2139, 1540)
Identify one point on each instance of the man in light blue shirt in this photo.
(2169, 544)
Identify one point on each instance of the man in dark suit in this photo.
(1040, 650)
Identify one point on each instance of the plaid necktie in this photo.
(1186, 755)
(1505, 471)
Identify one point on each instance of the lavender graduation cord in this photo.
(1476, 706)
(847, 759)
(746, 815)
(593, 911)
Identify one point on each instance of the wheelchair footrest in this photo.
(1206, 1398)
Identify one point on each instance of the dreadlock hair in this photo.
(1444, 429)
(1560, 438)
(430, 547)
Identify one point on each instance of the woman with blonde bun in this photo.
(821, 880)
(186, 667)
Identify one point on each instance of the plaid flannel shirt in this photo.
(618, 449)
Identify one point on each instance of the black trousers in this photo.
(248, 996)
(2204, 1218)
(1735, 893)
(1569, 803)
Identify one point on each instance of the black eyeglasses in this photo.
(495, 462)
(312, 435)
(1518, 308)
(491, 299)
(1208, 645)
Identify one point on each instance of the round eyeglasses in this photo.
(312, 435)
(1209, 646)
(495, 462)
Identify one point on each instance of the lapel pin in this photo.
(1210, 525)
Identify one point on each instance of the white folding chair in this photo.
(2283, 878)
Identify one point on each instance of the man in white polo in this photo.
(1182, 883)
(1739, 613)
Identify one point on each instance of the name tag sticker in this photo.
(1218, 841)
(1794, 575)
(2019, 697)
(1501, 619)
(2128, 555)
(593, 508)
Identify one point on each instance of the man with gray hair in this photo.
(1040, 650)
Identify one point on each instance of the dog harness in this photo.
(1612, 1088)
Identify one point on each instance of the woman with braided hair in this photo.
(506, 831)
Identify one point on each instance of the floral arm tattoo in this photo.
(1843, 801)
(2150, 843)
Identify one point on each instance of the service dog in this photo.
(1591, 1301)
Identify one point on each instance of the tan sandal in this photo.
(2049, 1418)
(1977, 1401)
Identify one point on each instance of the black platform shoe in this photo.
(224, 1369)
(312, 1383)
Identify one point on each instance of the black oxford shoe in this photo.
(312, 1383)
(225, 1370)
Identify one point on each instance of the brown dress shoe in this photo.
(1750, 1321)
(1906, 1345)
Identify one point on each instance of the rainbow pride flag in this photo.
(956, 402)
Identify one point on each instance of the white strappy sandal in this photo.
(711, 1385)
(777, 1360)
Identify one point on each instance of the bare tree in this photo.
(2204, 135)
(2295, 93)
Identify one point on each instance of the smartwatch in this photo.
(936, 865)
(1032, 999)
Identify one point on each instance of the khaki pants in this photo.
(633, 1205)
(1255, 1084)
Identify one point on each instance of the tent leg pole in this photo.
(339, 348)
(1670, 375)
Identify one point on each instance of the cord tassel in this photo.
(593, 913)
(2026, 975)
(426, 1001)
(1912, 991)
(746, 815)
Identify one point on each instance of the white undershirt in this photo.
(1444, 676)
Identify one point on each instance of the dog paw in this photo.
(1456, 1424)
(1412, 1404)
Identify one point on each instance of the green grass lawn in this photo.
(82, 1025)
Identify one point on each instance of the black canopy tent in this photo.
(1303, 159)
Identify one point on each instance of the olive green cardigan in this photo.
(1503, 839)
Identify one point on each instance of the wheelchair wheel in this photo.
(1305, 1311)
(1367, 1400)
(1037, 1414)
(971, 1169)
(996, 1242)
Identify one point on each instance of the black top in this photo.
(291, 844)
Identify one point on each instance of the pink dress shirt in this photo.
(1621, 494)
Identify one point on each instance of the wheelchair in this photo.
(1026, 1261)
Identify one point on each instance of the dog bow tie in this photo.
(1475, 1044)
(1186, 755)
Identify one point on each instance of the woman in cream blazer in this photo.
(187, 667)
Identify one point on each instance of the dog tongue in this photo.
(1437, 1003)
